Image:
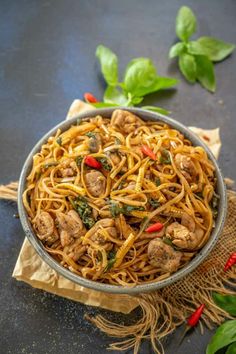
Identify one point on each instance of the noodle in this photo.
(95, 219)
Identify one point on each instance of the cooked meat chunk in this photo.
(71, 224)
(125, 121)
(68, 168)
(188, 222)
(186, 235)
(163, 256)
(65, 238)
(185, 164)
(108, 225)
(115, 158)
(95, 182)
(44, 226)
(95, 142)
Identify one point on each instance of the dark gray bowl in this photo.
(145, 115)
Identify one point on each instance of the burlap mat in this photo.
(162, 310)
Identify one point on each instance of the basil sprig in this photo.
(225, 335)
(140, 79)
(196, 58)
(226, 302)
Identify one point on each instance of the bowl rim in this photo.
(118, 289)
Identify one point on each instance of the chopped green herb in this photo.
(165, 157)
(50, 164)
(84, 210)
(121, 185)
(167, 241)
(91, 135)
(111, 260)
(78, 160)
(105, 163)
(199, 194)
(158, 181)
(154, 203)
(144, 224)
(99, 256)
(117, 141)
(38, 175)
(59, 141)
(116, 210)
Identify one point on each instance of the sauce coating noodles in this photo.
(95, 189)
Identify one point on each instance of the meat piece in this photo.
(125, 121)
(71, 223)
(68, 168)
(44, 226)
(131, 185)
(186, 166)
(108, 225)
(163, 256)
(95, 142)
(188, 222)
(186, 235)
(95, 182)
(65, 238)
(115, 158)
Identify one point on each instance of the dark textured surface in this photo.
(46, 60)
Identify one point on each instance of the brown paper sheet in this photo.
(31, 269)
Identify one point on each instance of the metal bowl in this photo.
(201, 255)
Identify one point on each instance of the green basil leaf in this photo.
(136, 100)
(164, 83)
(216, 50)
(140, 76)
(224, 335)
(156, 109)
(231, 349)
(196, 48)
(188, 67)
(186, 23)
(176, 49)
(103, 104)
(205, 72)
(226, 302)
(115, 95)
(109, 64)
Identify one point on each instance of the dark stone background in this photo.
(46, 60)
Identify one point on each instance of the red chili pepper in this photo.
(148, 152)
(193, 320)
(92, 162)
(230, 262)
(90, 98)
(205, 137)
(155, 227)
(195, 317)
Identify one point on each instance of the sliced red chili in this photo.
(230, 262)
(155, 227)
(195, 317)
(92, 162)
(192, 321)
(148, 152)
(90, 98)
(205, 137)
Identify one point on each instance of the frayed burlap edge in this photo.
(9, 191)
